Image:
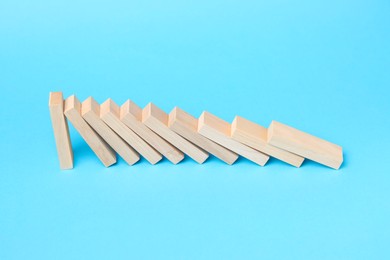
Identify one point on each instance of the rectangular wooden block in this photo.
(90, 111)
(61, 130)
(186, 125)
(131, 116)
(304, 144)
(157, 120)
(98, 145)
(255, 136)
(219, 131)
(110, 113)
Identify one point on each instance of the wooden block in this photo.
(110, 113)
(61, 131)
(157, 120)
(98, 145)
(304, 144)
(186, 125)
(219, 130)
(255, 136)
(90, 111)
(131, 116)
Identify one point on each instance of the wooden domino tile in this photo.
(98, 145)
(255, 136)
(131, 116)
(110, 113)
(61, 130)
(90, 111)
(219, 131)
(186, 125)
(157, 120)
(305, 145)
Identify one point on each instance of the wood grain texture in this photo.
(186, 125)
(61, 130)
(110, 113)
(131, 116)
(98, 145)
(219, 131)
(255, 136)
(157, 120)
(305, 145)
(90, 110)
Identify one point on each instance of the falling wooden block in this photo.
(131, 116)
(306, 145)
(255, 136)
(98, 145)
(186, 125)
(110, 113)
(157, 120)
(90, 111)
(61, 131)
(219, 131)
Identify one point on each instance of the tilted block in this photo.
(90, 111)
(110, 113)
(219, 131)
(186, 125)
(98, 145)
(305, 145)
(131, 116)
(61, 130)
(157, 120)
(255, 136)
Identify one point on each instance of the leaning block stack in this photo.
(132, 132)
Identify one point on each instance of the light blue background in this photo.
(320, 66)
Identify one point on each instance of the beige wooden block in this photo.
(61, 130)
(219, 131)
(110, 113)
(98, 145)
(90, 111)
(186, 125)
(304, 144)
(131, 116)
(157, 120)
(255, 136)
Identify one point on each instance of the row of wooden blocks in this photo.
(131, 131)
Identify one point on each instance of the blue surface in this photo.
(320, 66)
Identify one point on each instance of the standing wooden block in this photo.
(306, 145)
(186, 125)
(98, 145)
(110, 113)
(61, 131)
(131, 116)
(255, 136)
(157, 120)
(219, 131)
(90, 111)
